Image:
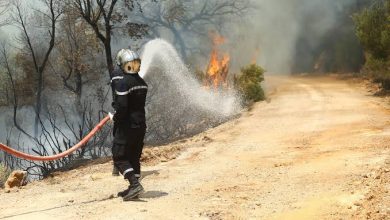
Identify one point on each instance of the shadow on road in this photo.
(153, 194)
(148, 173)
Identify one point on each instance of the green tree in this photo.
(373, 31)
(373, 28)
(249, 83)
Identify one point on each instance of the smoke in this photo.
(283, 30)
(3, 36)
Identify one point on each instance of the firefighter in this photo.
(129, 93)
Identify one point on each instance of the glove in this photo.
(111, 116)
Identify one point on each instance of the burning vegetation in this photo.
(255, 55)
(247, 82)
(218, 68)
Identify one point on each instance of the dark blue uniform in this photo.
(130, 92)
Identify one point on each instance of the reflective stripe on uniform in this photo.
(127, 171)
(116, 78)
(130, 90)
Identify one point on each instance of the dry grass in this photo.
(4, 173)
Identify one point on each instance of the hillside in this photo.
(319, 149)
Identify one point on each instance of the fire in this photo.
(218, 68)
(255, 55)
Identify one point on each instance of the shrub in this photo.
(4, 173)
(379, 70)
(249, 83)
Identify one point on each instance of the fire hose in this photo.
(79, 145)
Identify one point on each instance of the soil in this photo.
(318, 149)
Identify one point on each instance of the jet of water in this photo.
(161, 61)
(177, 104)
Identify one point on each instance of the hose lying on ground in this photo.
(60, 155)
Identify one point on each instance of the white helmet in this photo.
(126, 55)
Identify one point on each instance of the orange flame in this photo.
(255, 55)
(218, 69)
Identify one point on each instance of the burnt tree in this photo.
(20, 17)
(10, 72)
(189, 18)
(4, 6)
(78, 51)
(104, 16)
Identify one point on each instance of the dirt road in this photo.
(315, 151)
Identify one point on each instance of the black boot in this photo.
(124, 192)
(115, 171)
(134, 189)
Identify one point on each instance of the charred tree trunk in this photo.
(79, 90)
(38, 102)
(108, 51)
(96, 13)
(180, 42)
